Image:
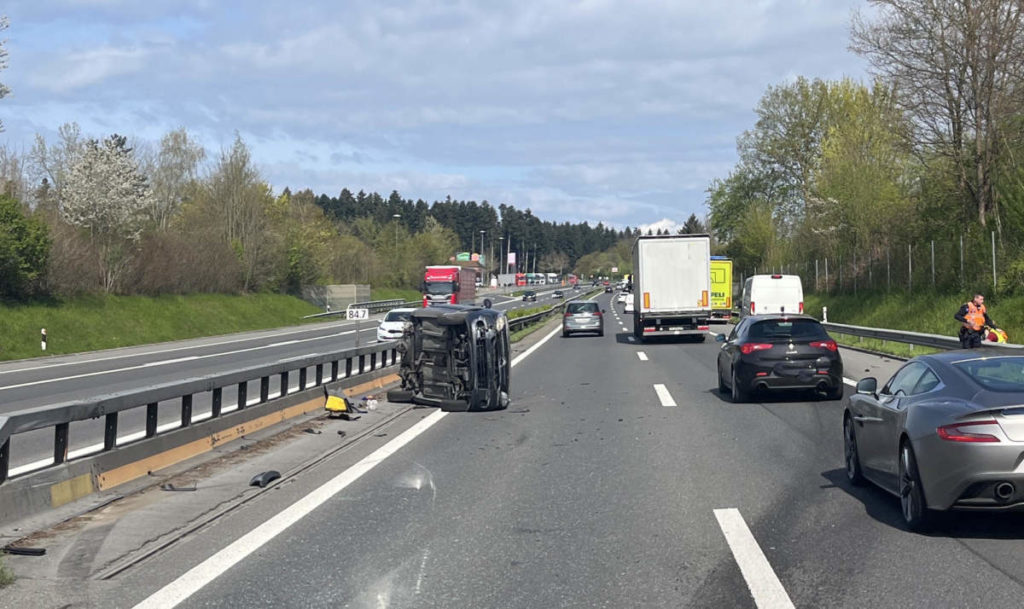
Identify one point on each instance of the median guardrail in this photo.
(520, 322)
(327, 367)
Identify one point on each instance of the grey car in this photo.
(945, 432)
(583, 316)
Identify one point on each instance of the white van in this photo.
(772, 294)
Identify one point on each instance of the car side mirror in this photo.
(867, 386)
(719, 338)
(487, 303)
(603, 311)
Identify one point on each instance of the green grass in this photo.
(926, 312)
(405, 294)
(89, 323)
(6, 576)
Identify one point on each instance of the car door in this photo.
(730, 348)
(880, 421)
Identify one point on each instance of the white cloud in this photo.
(85, 68)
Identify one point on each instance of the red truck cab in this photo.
(448, 285)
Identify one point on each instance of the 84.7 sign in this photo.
(357, 314)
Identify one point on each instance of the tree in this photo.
(50, 164)
(958, 67)
(692, 226)
(4, 90)
(105, 193)
(24, 250)
(174, 175)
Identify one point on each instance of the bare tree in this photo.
(49, 164)
(4, 90)
(957, 66)
(105, 193)
(174, 174)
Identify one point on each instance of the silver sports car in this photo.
(946, 432)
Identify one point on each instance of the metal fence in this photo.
(935, 341)
(327, 367)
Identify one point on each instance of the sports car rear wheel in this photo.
(915, 511)
(853, 471)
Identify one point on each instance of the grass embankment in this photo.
(920, 312)
(6, 576)
(89, 323)
(406, 295)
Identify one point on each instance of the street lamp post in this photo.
(501, 250)
(486, 272)
(396, 217)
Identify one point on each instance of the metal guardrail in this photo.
(374, 307)
(935, 341)
(328, 367)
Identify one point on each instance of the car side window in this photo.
(903, 382)
(736, 330)
(927, 382)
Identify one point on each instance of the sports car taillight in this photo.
(969, 431)
(749, 348)
(825, 344)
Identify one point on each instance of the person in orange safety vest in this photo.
(973, 318)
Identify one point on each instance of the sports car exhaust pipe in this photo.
(1005, 490)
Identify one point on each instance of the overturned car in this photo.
(455, 357)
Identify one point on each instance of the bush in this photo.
(24, 251)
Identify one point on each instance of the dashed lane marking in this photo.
(642, 356)
(764, 585)
(664, 396)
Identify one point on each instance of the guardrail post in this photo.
(242, 389)
(5, 459)
(362, 364)
(264, 388)
(110, 432)
(348, 367)
(186, 410)
(302, 379)
(284, 383)
(319, 374)
(215, 402)
(373, 361)
(334, 370)
(60, 442)
(151, 419)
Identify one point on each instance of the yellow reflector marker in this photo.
(647, 300)
(704, 298)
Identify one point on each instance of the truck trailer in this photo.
(671, 286)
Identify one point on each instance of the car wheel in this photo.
(721, 382)
(739, 395)
(834, 394)
(400, 396)
(600, 332)
(565, 334)
(852, 457)
(912, 503)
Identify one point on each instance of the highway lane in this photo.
(594, 491)
(33, 383)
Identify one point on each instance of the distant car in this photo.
(608, 289)
(629, 308)
(575, 286)
(621, 298)
(530, 297)
(766, 352)
(583, 316)
(393, 324)
(945, 432)
(557, 294)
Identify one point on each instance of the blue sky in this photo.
(620, 112)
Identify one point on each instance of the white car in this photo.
(629, 306)
(621, 298)
(393, 324)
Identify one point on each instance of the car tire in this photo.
(600, 332)
(851, 455)
(722, 389)
(913, 507)
(739, 395)
(400, 396)
(834, 394)
(565, 334)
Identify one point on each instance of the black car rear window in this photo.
(995, 373)
(787, 329)
(582, 307)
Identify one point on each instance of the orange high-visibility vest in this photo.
(975, 316)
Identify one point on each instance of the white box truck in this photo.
(671, 286)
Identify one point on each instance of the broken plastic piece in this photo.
(262, 480)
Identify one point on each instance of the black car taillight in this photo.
(749, 348)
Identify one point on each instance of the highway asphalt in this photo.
(619, 477)
(43, 381)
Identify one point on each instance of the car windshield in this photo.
(786, 330)
(583, 307)
(436, 288)
(1005, 374)
(397, 316)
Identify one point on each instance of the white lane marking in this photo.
(850, 382)
(664, 395)
(208, 570)
(174, 349)
(642, 356)
(197, 577)
(171, 361)
(764, 585)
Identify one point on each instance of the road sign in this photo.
(615, 269)
(357, 313)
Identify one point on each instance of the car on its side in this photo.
(393, 324)
(583, 316)
(946, 432)
(779, 352)
(529, 296)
